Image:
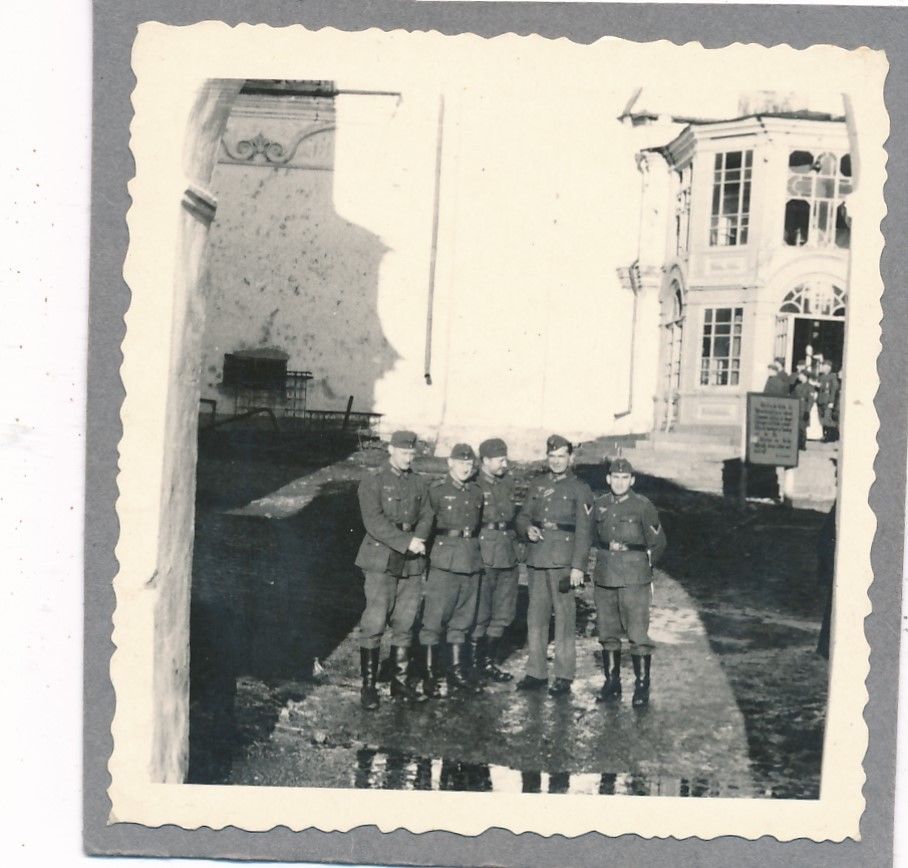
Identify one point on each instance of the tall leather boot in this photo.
(641, 680)
(400, 688)
(491, 669)
(478, 660)
(456, 679)
(432, 674)
(368, 667)
(611, 666)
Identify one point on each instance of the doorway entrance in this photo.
(811, 322)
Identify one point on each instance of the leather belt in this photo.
(557, 525)
(630, 547)
(466, 533)
(498, 525)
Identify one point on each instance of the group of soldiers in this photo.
(814, 383)
(450, 550)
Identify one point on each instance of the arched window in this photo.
(815, 213)
(815, 298)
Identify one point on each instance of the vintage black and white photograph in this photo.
(506, 394)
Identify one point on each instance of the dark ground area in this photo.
(268, 604)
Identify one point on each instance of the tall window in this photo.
(720, 357)
(731, 199)
(815, 212)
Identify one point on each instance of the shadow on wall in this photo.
(284, 272)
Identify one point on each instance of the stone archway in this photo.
(810, 321)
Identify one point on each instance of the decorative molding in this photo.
(262, 150)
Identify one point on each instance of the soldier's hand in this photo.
(576, 578)
(617, 547)
(534, 534)
(417, 546)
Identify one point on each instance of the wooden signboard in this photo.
(772, 430)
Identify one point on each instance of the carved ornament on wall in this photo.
(265, 150)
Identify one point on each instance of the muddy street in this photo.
(738, 696)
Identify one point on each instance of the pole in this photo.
(427, 362)
(347, 413)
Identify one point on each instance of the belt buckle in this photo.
(466, 533)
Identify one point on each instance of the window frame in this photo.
(731, 370)
(742, 176)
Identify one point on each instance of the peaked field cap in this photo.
(494, 447)
(463, 452)
(556, 441)
(404, 439)
(621, 465)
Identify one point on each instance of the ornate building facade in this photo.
(744, 240)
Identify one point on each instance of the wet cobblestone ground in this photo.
(738, 693)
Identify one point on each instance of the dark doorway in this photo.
(825, 337)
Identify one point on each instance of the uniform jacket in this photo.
(457, 506)
(777, 384)
(558, 500)
(828, 388)
(395, 508)
(634, 521)
(804, 392)
(497, 545)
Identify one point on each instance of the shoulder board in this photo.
(436, 483)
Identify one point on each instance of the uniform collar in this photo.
(395, 471)
(558, 477)
(490, 477)
(460, 486)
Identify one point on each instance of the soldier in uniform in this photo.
(777, 381)
(556, 519)
(827, 392)
(498, 585)
(394, 502)
(453, 583)
(630, 540)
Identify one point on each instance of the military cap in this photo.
(404, 439)
(775, 366)
(494, 447)
(621, 465)
(556, 441)
(463, 452)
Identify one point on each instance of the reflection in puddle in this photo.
(393, 770)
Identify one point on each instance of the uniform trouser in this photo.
(624, 610)
(450, 605)
(544, 596)
(497, 602)
(389, 598)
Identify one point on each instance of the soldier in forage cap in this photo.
(497, 543)
(394, 502)
(630, 539)
(456, 565)
(556, 518)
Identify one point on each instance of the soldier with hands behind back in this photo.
(456, 565)
(498, 585)
(394, 502)
(630, 541)
(556, 519)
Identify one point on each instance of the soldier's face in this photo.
(559, 459)
(461, 468)
(619, 483)
(495, 466)
(401, 457)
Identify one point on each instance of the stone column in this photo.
(171, 582)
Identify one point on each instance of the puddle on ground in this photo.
(378, 769)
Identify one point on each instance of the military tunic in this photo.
(630, 539)
(497, 542)
(456, 563)
(561, 507)
(827, 392)
(395, 508)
